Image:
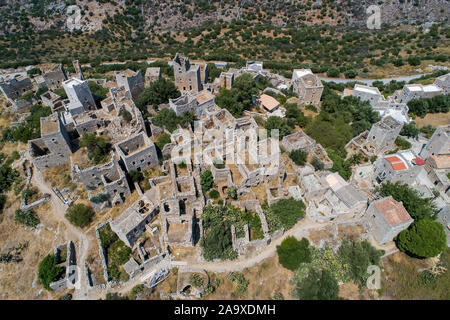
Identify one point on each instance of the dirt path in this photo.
(301, 229)
(72, 233)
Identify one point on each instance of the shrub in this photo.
(239, 278)
(214, 194)
(425, 239)
(285, 213)
(126, 115)
(299, 157)
(232, 192)
(79, 215)
(136, 176)
(99, 198)
(26, 217)
(206, 180)
(163, 140)
(49, 271)
(402, 143)
(292, 253)
(196, 280)
(2, 202)
(317, 164)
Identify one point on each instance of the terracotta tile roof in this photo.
(393, 211)
(268, 102)
(419, 161)
(396, 163)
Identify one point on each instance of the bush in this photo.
(136, 176)
(299, 157)
(402, 143)
(239, 278)
(49, 271)
(126, 115)
(2, 202)
(163, 140)
(196, 280)
(285, 213)
(274, 123)
(232, 192)
(79, 215)
(425, 239)
(99, 198)
(318, 285)
(26, 217)
(206, 180)
(159, 92)
(98, 148)
(292, 253)
(7, 177)
(317, 164)
(214, 194)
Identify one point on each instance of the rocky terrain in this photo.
(23, 15)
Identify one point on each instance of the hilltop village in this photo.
(160, 168)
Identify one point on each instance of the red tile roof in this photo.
(393, 211)
(419, 161)
(396, 163)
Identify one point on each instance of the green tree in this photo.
(136, 176)
(274, 122)
(240, 97)
(98, 147)
(359, 255)
(232, 192)
(424, 238)
(26, 217)
(163, 140)
(410, 130)
(317, 164)
(159, 92)
(7, 177)
(292, 253)
(206, 180)
(49, 271)
(298, 156)
(79, 215)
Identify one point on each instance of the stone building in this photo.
(416, 91)
(404, 167)
(16, 87)
(330, 198)
(52, 100)
(307, 85)
(130, 224)
(387, 218)
(438, 168)
(78, 70)
(152, 74)
(439, 143)
(185, 103)
(132, 81)
(109, 177)
(54, 76)
(138, 152)
(53, 147)
(188, 77)
(379, 140)
(443, 217)
(443, 82)
(79, 95)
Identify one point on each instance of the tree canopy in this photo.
(79, 215)
(98, 147)
(424, 238)
(159, 92)
(318, 285)
(292, 253)
(49, 271)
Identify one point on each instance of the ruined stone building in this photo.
(444, 218)
(225, 80)
(52, 100)
(403, 166)
(137, 152)
(185, 103)
(109, 177)
(54, 75)
(438, 168)
(152, 74)
(387, 218)
(130, 224)
(255, 66)
(439, 143)
(16, 87)
(132, 81)
(307, 85)
(188, 77)
(330, 198)
(301, 141)
(379, 140)
(384, 107)
(78, 70)
(79, 95)
(443, 82)
(416, 91)
(53, 147)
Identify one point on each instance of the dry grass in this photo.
(60, 177)
(265, 280)
(435, 119)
